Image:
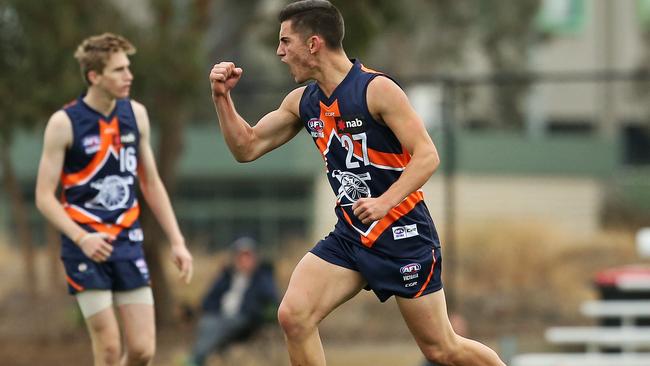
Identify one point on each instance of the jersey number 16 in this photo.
(128, 160)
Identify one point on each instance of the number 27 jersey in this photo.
(364, 158)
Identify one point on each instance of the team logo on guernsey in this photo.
(91, 144)
(351, 125)
(114, 193)
(352, 186)
(403, 232)
(316, 126)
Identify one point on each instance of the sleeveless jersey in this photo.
(99, 177)
(364, 158)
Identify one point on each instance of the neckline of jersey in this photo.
(106, 118)
(356, 65)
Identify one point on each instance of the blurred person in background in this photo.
(242, 299)
(98, 148)
(378, 155)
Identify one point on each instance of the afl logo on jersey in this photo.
(351, 125)
(403, 232)
(91, 144)
(315, 126)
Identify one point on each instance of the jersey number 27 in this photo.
(347, 143)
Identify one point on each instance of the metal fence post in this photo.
(449, 169)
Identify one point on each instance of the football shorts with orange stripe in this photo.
(85, 274)
(414, 273)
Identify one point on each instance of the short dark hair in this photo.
(309, 17)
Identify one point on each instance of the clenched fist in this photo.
(223, 77)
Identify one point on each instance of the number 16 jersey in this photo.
(99, 177)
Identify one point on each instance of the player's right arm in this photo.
(247, 142)
(58, 136)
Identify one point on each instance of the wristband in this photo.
(80, 238)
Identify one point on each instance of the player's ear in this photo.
(92, 76)
(315, 43)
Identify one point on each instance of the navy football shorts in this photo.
(409, 277)
(82, 274)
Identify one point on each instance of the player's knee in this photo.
(293, 321)
(109, 353)
(287, 317)
(436, 356)
(442, 353)
(141, 354)
(107, 346)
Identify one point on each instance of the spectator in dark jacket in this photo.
(243, 297)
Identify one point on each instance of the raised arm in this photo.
(247, 142)
(57, 138)
(387, 102)
(155, 194)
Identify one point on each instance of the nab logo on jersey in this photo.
(351, 125)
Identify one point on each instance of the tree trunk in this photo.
(20, 218)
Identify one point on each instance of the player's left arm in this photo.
(388, 103)
(155, 194)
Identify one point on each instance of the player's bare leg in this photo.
(316, 288)
(105, 337)
(427, 319)
(139, 334)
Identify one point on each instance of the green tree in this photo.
(38, 75)
(507, 32)
(423, 38)
(171, 75)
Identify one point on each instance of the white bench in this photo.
(629, 339)
(581, 359)
(627, 310)
(633, 283)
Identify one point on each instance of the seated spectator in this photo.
(242, 298)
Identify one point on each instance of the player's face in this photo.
(116, 78)
(294, 52)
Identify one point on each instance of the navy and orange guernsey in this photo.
(364, 158)
(99, 177)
